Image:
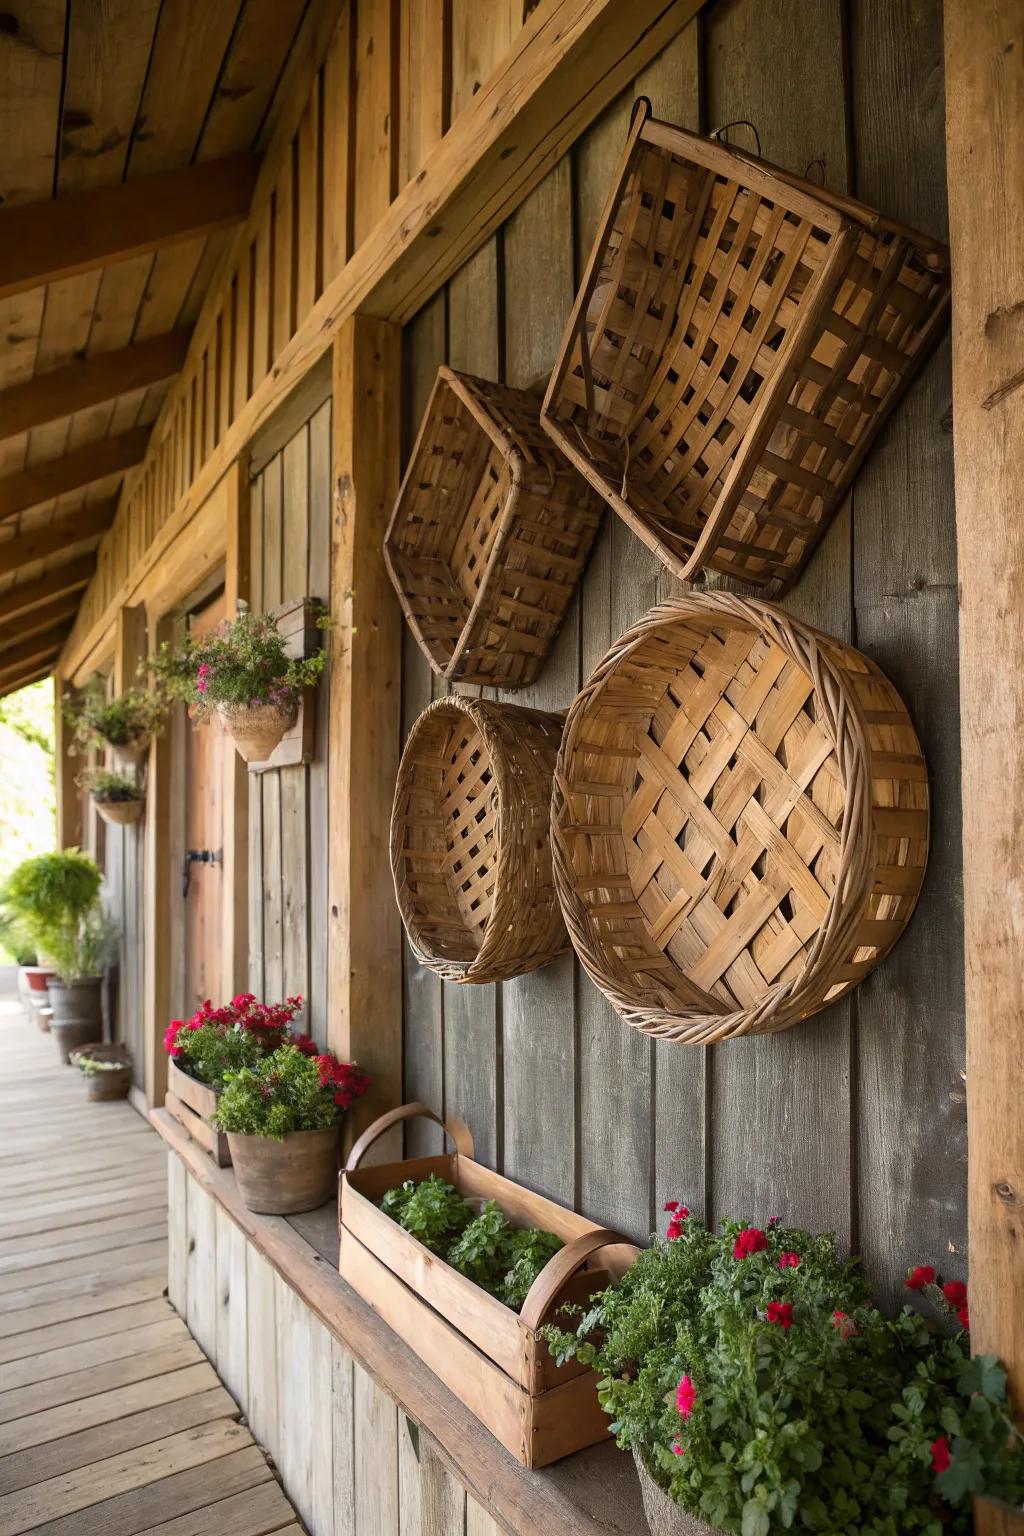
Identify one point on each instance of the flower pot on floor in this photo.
(280, 1178)
(119, 813)
(36, 977)
(256, 729)
(664, 1517)
(77, 1013)
(113, 1079)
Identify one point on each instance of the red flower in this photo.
(955, 1292)
(918, 1278)
(789, 1260)
(750, 1240)
(677, 1449)
(686, 1396)
(940, 1454)
(303, 1043)
(844, 1324)
(964, 1317)
(780, 1312)
(671, 1205)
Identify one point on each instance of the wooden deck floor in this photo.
(112, 1420)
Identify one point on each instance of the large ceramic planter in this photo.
(77, 1013)
(664, 1517)
(119, 813)
(280, 1178)
(256, 729)
(114, 1081)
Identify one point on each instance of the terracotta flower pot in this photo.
(37, 977)
(280, 1178)
(256, 729)
(120, 813)
(77, 1013)
(114, 1081)
(664, 1517)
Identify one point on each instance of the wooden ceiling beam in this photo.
(81, 467)
(34, 650)
(41, 242)
(35, 676)
(18, 601)
(61, 610)
(90, 381)
(42, 543)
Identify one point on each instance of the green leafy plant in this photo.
(765, 1392)
(54, 898)
(15, 938)
(216, 1041)
(484, 1246)
(109, 787)
(95, 720)
(288, 1091)
(91, 1066)
(242, 664)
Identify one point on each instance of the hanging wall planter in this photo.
(489, 534)
(256, 729)
(740, 337)
(124, 725)
(739, 821)
(117, 796)
(489, 1355)
(470, 846)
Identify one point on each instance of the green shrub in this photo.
(242, 662)
(288, 1091)
(95, 720)
(54, 898)
(110, 787)
(216, 1041)
(766, 1393)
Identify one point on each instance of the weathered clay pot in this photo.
(115, 1081)
(77, 1013)
(279, 1178)
(663, 1516)
(256, 730)
(36, 977)
(120, 813)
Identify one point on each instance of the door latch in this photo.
(198, 856)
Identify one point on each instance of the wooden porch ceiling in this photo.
(96, 308)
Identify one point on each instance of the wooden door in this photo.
(203, 862)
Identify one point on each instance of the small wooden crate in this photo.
(194, 1105)
(739, 824)
(470, 849)
(488, 1356)
(739, 339)
(489, 534)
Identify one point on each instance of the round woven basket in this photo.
(256, 729)
(739, 820)
(470, 848)
(120, 813)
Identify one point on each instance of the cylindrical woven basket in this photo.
(470, 848)
(739, 820)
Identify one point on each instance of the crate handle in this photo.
(457, 1130)
(557, 1271)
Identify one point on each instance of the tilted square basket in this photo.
(490, 1357)
(739, 339)
(489, 534)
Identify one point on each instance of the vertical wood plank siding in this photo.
(854, 1122)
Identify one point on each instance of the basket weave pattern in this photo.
(489, 534)
(739, 820)
(739, 340)
(470, 849)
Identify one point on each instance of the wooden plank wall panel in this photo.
(288, 816)
(853, 1122)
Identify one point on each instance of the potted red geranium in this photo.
(282, 1117)
(215, 1041)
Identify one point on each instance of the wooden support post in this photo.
(985, 142)
(158, 951)
(364, 932)
(69, 803)
(129, 646)
(235, 912)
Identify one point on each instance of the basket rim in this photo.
(478, 711)
(839, 714)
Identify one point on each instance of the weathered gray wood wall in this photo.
(855, 1121)
(291, 547)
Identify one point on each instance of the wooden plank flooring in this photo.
(112, 1420)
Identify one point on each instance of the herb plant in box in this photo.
(126, 723)
(215, 1041)
(117, 797)
(242, 672)
(761, 1391)
(283, 1117)
(56, 899)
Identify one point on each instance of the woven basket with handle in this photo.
(739, 339)
(739, 820)
(489, 534)
(470, 848)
